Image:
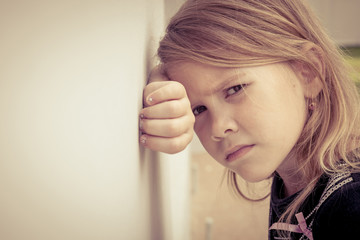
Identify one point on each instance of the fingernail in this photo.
(150, 99)
(141, 116)
(143, 139)
(140, 124)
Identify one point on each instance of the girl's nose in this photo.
(222, 125)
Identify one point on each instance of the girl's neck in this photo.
(292, 178)
(292, 184)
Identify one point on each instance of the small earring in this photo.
(312, 106)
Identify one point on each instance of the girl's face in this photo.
(248, 119)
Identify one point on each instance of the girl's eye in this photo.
(233, 90)
(199, 109)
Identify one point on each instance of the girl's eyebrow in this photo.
(228, 80)
(221, 85)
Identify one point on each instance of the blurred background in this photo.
(71, 80)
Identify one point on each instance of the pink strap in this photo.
(300, 228)
(302, 224)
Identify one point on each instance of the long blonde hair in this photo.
(238, 33)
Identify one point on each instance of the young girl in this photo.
(271, 98)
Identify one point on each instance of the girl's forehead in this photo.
(198, 76)
(213, 78)
(199, 71)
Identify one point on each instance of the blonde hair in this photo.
(238, 33)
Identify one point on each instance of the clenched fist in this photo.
(166, 121)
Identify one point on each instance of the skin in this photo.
(248, 119)
(166, 121)
(259, 111)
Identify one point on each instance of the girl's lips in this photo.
(238, 152)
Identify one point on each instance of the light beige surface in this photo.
(71, 80)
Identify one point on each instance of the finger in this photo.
(166, 127)
(158, 92)
(150, 88)
(168, 109)
(166, 145)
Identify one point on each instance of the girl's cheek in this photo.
(197, 127)
(200, 127)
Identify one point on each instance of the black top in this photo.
(332, 210)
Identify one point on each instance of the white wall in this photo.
(341, 19)
(71, 79)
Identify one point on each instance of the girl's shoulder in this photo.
(339, 216)
(350, 191)
(356, 177)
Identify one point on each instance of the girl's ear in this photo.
(311, 76)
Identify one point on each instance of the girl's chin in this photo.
(252, 177)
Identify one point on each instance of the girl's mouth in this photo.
(238, 152)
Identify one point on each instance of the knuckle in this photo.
(191, 118)
(180, 87)
(173, 128)
(190, 136)
(147, 87)
(176, 145)
(187, 138)
(152, 87)
(177, 84)
(174, 107)
(179, 108)
(190, 121)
